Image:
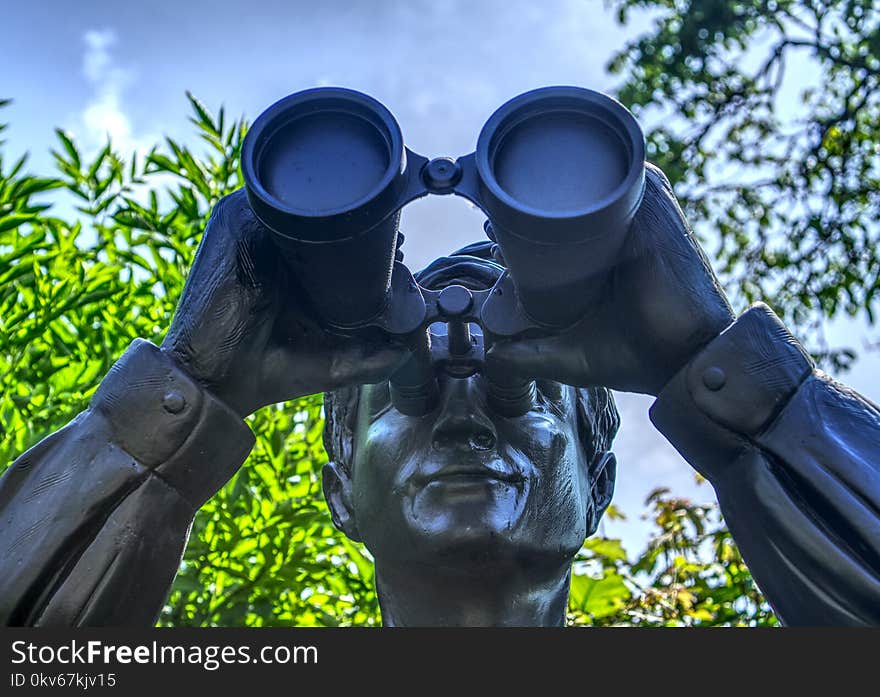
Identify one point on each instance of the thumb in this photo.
(546, 357)
(380, 362)
(365, 363)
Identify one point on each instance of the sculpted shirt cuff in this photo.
(171, 425)
(724, 399)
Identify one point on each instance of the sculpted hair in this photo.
(475, 266)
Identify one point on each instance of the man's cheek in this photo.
(378, 471)
(371, 484)
(544, 440)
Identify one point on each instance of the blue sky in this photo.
(442, 67)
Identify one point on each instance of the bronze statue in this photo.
(473, 516)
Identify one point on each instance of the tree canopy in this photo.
(767, 118)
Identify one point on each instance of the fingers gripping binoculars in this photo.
(558, 171)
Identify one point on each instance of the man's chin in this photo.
(458, 521)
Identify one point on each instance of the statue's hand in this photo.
(656, 309)
(241, 328)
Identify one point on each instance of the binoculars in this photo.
(558, 171)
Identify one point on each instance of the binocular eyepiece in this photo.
(558, 171)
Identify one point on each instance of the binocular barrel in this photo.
(559, 172)
(324, 170)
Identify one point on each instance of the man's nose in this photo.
(463, 421)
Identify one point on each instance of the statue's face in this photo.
(464, 485)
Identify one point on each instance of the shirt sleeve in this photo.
(95, 517)
(794, 458)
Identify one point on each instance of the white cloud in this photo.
(97, 59)
(104, 115)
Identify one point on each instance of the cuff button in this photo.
(714, 378)
(173, 402)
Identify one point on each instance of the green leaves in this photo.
(606, 549)
(70, 148)
(689, 574)
(12, 222)
(212, 175)
(264, 551)
(74, 293)
(598, 598)
(767, 118)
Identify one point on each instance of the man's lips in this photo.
(470, 473)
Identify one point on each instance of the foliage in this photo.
(76, 290)
(768, 124)
(690, 574)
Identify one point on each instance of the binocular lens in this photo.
(560, 163)
(324, 161)
(323, 170)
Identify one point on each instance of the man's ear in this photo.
(603, 473)
(337, 492)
